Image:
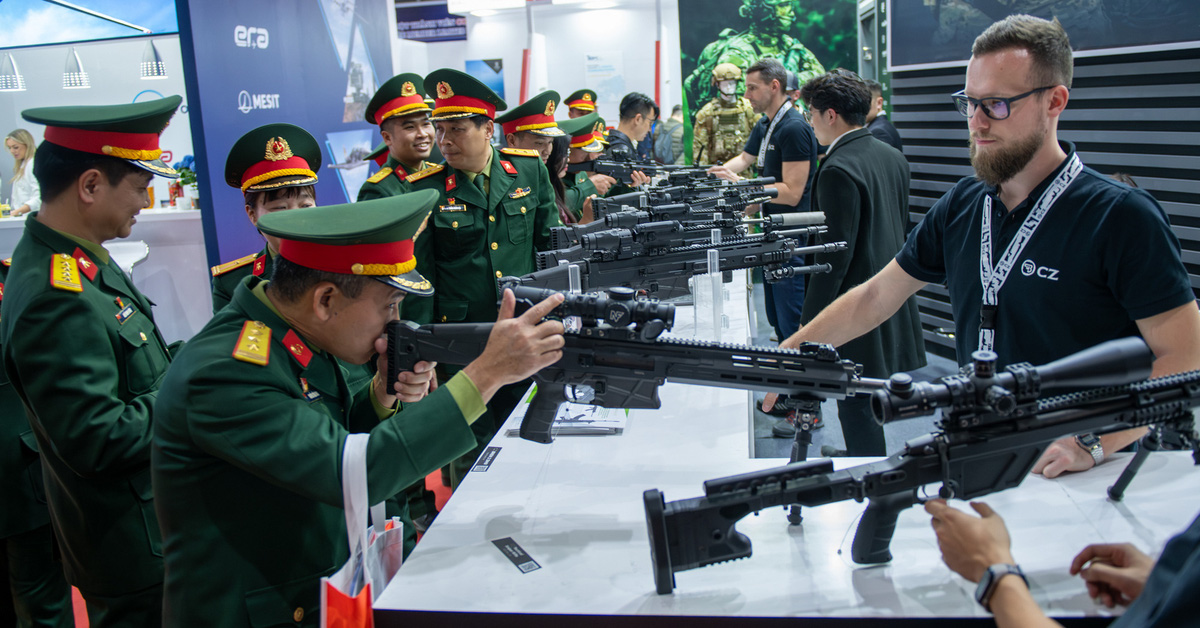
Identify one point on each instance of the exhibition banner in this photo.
(939, 33)
(429, 22)
(809, 36)
(312, 63)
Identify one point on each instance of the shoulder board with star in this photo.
(379, 176)
(421, 174)
(217, 271)
(523, 152)
(253, 344)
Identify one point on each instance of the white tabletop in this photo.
(576, 507)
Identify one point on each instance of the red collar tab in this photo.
(508, 167)
(297, 349)
(260, 265)
(141, 146)
(389, 258)
(86, 265)
(451, 182)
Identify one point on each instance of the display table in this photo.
(575, 506)
(174, 275)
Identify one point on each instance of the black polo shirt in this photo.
(793, 140)
(1103, 257)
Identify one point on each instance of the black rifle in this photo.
(623, 170)
(622, 365)
(994, 428)
(648, 262)
(699, 194)
(686, 227)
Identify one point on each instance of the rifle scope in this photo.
(999, 394)
(617, 307)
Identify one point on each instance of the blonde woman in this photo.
(26, 196)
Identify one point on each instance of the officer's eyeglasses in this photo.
(808, 116)
(994, 108)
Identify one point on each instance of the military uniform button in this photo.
(143, 335)
(495, 246)
(298, 614)
(454, 224)
(443, 318)
(491, 219)
(522, 210)
(499, 274)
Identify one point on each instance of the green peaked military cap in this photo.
(535, 115)
(585, 132)
(130, 132)
(273, 156)
(583, 99)
(603, 128)
(400, 95)
(372, 238)
(458, 95)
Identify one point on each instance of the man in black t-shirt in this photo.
(783, 146)
(1100, 261)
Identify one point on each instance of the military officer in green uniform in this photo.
(581, 187)
(580, 103)
(254, 413)
(531, 125)
(494, 212)
(82, 352)
(723, 125)
(40, 593)
(275, 166)
(400, 110)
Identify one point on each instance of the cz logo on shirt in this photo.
(1029, 269)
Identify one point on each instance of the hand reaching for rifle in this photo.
(517, 347)
(1114, 573)
(721, 172)
(602, 182)
(639, 178)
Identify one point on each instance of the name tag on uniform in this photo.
(125, 313)
(452, 208)
(519, 192)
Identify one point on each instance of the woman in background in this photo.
(26, 196)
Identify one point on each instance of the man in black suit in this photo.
(877, 120)
(860, 185)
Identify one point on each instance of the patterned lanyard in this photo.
(993, 279)
(762, 150)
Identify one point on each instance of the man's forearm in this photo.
(848, 317)
(1013, 606)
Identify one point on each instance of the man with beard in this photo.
(400, 110)
(1094, 259)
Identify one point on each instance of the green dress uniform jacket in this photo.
(21, 490)
(389, 181)
(247, 461)
(576, 188)
(470, 241)
(87, 365)
(229, 275)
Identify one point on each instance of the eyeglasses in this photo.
(994, 108)
(808, 116)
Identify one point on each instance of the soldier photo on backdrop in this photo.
(808, 36)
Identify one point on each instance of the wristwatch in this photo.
(991, 578)
(1091, 444)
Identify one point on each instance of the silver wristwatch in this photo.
(1091, 444)
(991, 578)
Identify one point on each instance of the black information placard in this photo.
(485, 460)
(516, 553)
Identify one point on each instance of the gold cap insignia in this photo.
(587, 96)
(444, 91)
(550, 108)
(599, 126)
(408, 89)
(278, 149)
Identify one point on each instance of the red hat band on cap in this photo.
(400, 106)
(529, 123)
(582, 104)
(463, 104)
(139, 146)
(389, 258)
(579, 141)
(268, 169)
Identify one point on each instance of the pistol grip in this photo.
(873, 537)
(542, 410)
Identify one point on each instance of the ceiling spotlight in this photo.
(10, 76)
(152, 63)
(74, 77)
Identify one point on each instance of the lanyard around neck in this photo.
(762, 149)
(992, 279)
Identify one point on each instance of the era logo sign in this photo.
(250, 36)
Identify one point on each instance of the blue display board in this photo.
(312, 63)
